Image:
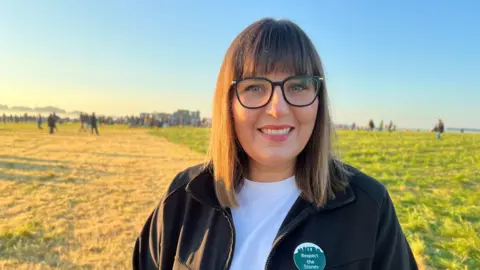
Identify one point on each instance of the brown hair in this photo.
(267, 46)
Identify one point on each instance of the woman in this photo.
(272, 195)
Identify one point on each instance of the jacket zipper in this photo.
(228, 216)
(299, 219)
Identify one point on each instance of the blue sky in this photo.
(408, 62)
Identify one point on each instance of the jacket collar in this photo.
(202, 188)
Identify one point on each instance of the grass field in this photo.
(77, 201)
(435, 186)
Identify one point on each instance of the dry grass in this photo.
(77, 201)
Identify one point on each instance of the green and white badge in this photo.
(308, 256)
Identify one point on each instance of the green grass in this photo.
(195, 138)
(435, 185)
(28, 239)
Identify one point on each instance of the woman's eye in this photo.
(254, 88)
(297, 87)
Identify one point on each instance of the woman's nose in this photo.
(278, 106)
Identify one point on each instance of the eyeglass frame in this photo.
(274, 84)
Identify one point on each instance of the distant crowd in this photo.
(85, 120)
(91, 122)
(26, 118)
(439, 127)
(371, 126)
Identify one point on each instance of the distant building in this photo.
(186, 118)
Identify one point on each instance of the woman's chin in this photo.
(274, 159)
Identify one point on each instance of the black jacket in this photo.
(51, 121)
(357, 230)
(93, 121)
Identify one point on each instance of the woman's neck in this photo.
(263, 173)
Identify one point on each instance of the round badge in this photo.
(308, 256)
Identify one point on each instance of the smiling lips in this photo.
(276, 133)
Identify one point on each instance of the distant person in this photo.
(93, 123)
(354, 126)
(4, 118)
(439, 129)
(83, 119)
(371, 125)
(272, 194)
(88, 120)
(39, 121)
(390, 126)
(57, 120)
(51, 122)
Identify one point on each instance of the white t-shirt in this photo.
(262, 208)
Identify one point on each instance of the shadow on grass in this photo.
(27, 166)
(110, 154)
(126, 155)
(57, 171)
(43, 178)
(30, 243)
(46, 172)
(62, 163)
(17, 158)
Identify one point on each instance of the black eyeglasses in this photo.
(298, 91)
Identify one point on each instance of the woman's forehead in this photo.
(266, 67)
(275, 75)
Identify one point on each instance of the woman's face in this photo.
(261, 132)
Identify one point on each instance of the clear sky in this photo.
(409, 61)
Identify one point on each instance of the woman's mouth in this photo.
(282, 131)
(276, 133)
